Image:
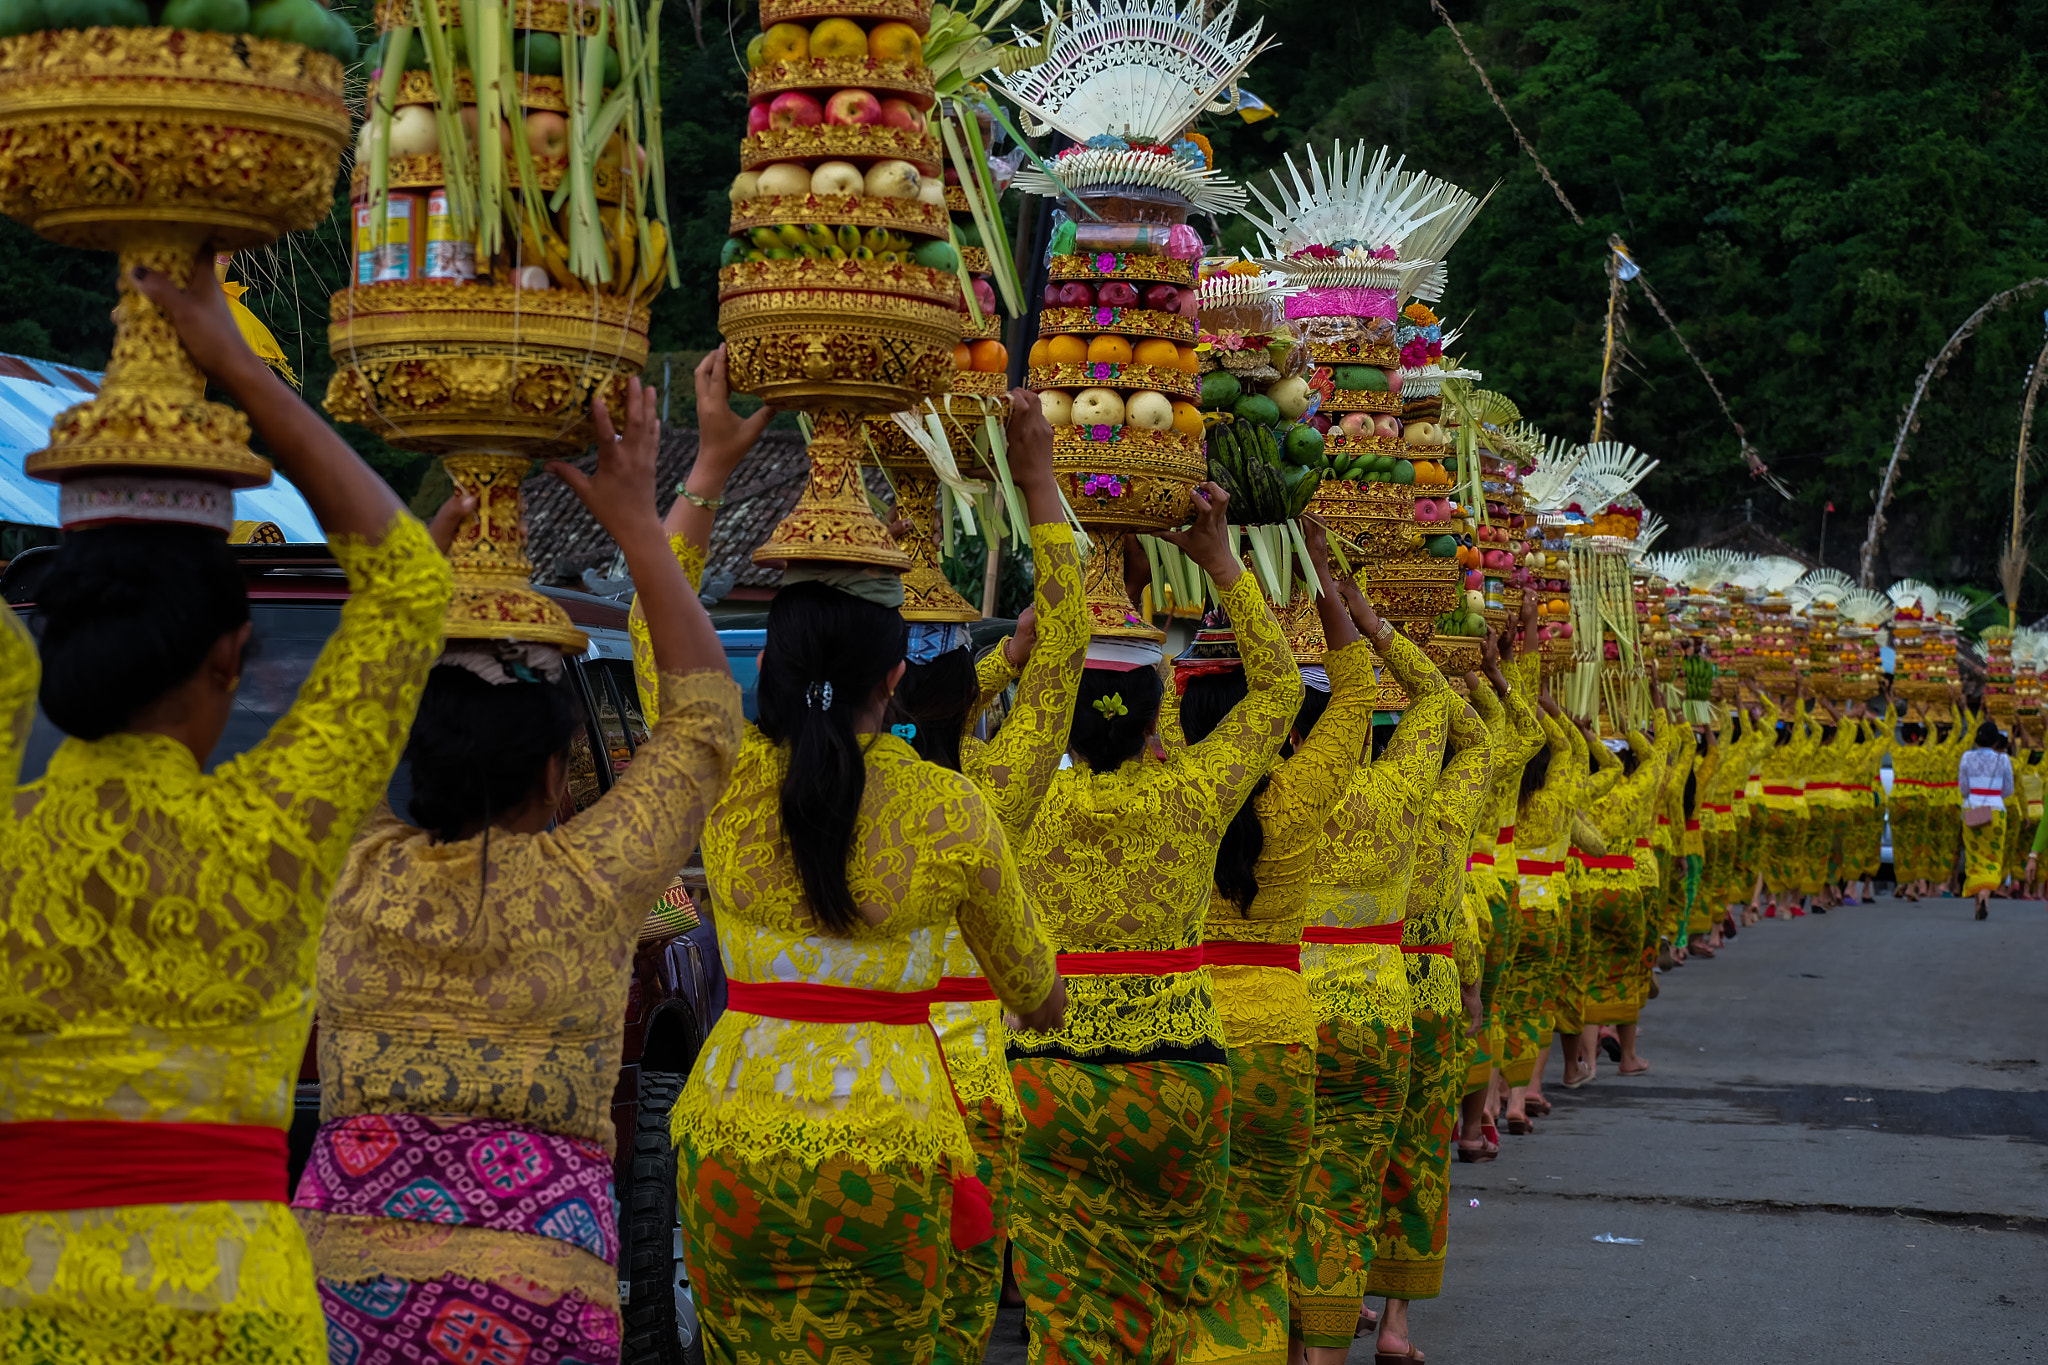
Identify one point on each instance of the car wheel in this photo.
(660, 1316)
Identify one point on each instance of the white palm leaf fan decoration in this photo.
(1365, 204)
(1432, 241)
(1221, 287)
(1830, 586)
(1647, 531)
(1548, 486)
(1704, 569)
(1752, 574)
(1609, 470)
(1800, 596)
(1866, 607)
(1779, 572)
(1954, 608)
(1140, 71)
(1910, 594)
(1664, 564)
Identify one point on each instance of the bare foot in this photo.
(1633, 1066)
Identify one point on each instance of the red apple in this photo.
(1320, 423)
(1475, 579)
(1163, 298)
(1356, 425)
(853, 108)
(1393, 381)
(1075, 294)
(794, 109)
(1190, 304)
(903, 114)
(984, 295)
(1387, 425)
(547, 134)
(1117, 294)
(757, 117)
(1052, 293)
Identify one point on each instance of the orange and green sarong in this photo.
(1616, 923)
(974, 1277)
(1414, 1230)
(807, 1263)
(1238, 1309)
(1361, 1090)
(1117, 1187)
(1491, 1045)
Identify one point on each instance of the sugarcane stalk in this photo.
(486, 73)
(380, 124)
(1002, 267)
(999, 451)
(957, 152)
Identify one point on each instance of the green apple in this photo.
(207, 16)
(342, 43)
(756, 57)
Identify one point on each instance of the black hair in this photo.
(1534, 774)
(1692, 793)
(1208, 700)
(1382, 736)
(1912, 732)
(127, 614)
(1989, 735)
(1699, 744)
(936, 698)
(1784, 732)
(478, 749)
(1107, 742)
(820, 638)
(1628, 761)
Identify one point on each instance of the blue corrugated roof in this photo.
(33, 392)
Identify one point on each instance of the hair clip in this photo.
(905, 732)
(1112, 706)
(819, 694)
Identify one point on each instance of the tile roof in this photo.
(563, 539)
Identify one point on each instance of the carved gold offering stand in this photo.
(490, 378)
(160, 144)
(928, 595)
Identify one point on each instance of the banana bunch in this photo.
(634, 274)
(819, 242)
(1245, 459)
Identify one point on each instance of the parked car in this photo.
(678, 987)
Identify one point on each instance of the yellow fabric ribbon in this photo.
(253, 331)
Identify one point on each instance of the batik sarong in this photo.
(813, 1262)
(461, 1239)
(1117, 1188)
(1784, 850)
(1361, 1088)
(1491, 1047)
(1238, 1309)
(1531, 983)
(974, 1276)
(1414, 1203)
(1615, 923)
(1984, 854)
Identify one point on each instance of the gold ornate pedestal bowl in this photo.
(490, 378)
(858, 336)
(1120, 480)
(159, 144)
(928, 595)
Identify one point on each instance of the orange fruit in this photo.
(1188, 362)
(1110, 348)
(1041, 352)
(990, 356)
(963, 359)
(1163, 354)
(1187, 419)
(1067, 350)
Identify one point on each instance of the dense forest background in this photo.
(1820, 190)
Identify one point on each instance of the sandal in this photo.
(1536, 1106)
(1475, 1152)
(1492, 1135)
(1368, 1321)
(1611, 1046)
(1520, 1127)
(1409, 1357)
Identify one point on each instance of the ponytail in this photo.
(827, 652)
(1208, 700)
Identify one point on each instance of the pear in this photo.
(836, 177)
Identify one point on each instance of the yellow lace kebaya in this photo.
(1125, 861)
(489, 980)
(1436, 886)
(927, 852)
(157, 966)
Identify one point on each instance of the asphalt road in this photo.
(1840, 1154)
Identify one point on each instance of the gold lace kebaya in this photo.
(487, 979)
(927, 852)
(1125, 861)
(157, 967)
(1434, 936)
(1014, 770)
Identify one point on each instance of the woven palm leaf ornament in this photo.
(1126, 80)
(1349, 221)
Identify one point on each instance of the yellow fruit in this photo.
(894, 42)
(1041, 353)
(1187, 419)
(1188, 360)
(1109, 348)
(786, 43)
(990, 356)
(1066, 350)
(838, 38)
(1163, 354)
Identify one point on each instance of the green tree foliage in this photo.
(1821, 191)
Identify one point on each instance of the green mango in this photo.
(819, 234)
(206, 16)
(967, 233)
(1440, 547)
(1257, 409)
(937, 255)
(537, 54)
(1353, 473)
(849, 236)
(612, 72)
(291, 21)
(342, 43)
(1304, 444)
(1403, 472)
(732, 252)
(1353, 377)
(22, 16)
(1220, 389)
(98, 14)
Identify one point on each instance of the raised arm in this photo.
(999, 926)
(1316, 778)
(21, 673)
(1017, 766)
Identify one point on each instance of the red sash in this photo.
(1532, 867)
(964, 990)
(811, 1002)
(1386, 935)
(1691, 825)
(1987, 791)
(1486, 858)
(1136, 963)
(1784, 791)
(1436, 949)
(1229, 953)
(1612, 863)
(58, 1164)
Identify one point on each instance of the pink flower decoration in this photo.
(1101, 432)
(1105, 316)
(1105, 263)
(1102, 369)
(1102, 485)
(1415, 354)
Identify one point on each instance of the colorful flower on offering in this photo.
(1099, 432)
(1101, 369)
(1419, 314)
(1105, 317)
(1102, 485)
(1106, 263)
(1415, 354)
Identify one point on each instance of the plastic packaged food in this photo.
(448, 257)
(388, 252)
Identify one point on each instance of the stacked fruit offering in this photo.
(1778, 644)
(305, 22)
(1823, 658)
(2027, 653)
(2000, 696)
(1115, 359)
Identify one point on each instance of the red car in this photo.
(295, 596)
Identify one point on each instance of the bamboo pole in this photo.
(1607, 358)
(2014, 551)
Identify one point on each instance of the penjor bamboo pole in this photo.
(2019, 478)
(1607, 358)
